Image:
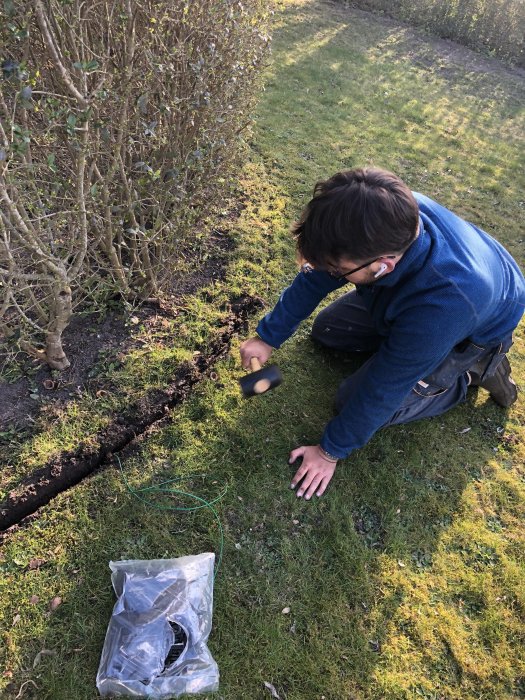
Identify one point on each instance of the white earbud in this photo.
(382, 269)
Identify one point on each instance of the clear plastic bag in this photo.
(155, 645)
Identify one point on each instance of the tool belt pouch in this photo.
(462, 358)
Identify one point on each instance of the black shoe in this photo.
(500, 385)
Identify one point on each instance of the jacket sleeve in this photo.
(295, 304)
(407, 355)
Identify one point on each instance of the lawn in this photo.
(406, 579)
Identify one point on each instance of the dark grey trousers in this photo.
(346, 325)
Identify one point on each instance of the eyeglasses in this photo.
(356, 269)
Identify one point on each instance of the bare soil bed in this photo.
(69, 468)
(90, 338)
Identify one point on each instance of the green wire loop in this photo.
(157, 488)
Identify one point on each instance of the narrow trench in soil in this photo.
(70, 468)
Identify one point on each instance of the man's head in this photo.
(355, 217)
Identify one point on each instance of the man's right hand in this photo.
(255, 347)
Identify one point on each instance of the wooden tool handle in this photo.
(255, 365)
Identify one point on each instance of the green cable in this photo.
(156, 488)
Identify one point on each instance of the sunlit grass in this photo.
(406, 579)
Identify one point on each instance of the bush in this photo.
(497, 26)
(119, 124)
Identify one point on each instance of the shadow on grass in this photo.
(370, 38)
(345, 566)
(389, 95)
(392, 577)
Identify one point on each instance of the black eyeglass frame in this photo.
(338, 278)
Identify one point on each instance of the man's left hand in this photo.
(315, 471)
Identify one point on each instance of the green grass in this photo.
(406, 579)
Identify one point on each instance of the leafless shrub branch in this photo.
(119, 122)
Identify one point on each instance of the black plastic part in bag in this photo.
(155, 644)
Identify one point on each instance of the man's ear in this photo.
(384, 266)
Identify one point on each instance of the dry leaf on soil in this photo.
(41, 653)
(55, 602)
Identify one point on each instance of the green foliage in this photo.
(121, 125)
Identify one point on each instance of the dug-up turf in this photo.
(69, 468)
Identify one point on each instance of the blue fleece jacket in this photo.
(454, 282)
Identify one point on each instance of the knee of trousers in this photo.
(321, 326)
(330, 331)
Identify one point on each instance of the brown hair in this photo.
(356, 214)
